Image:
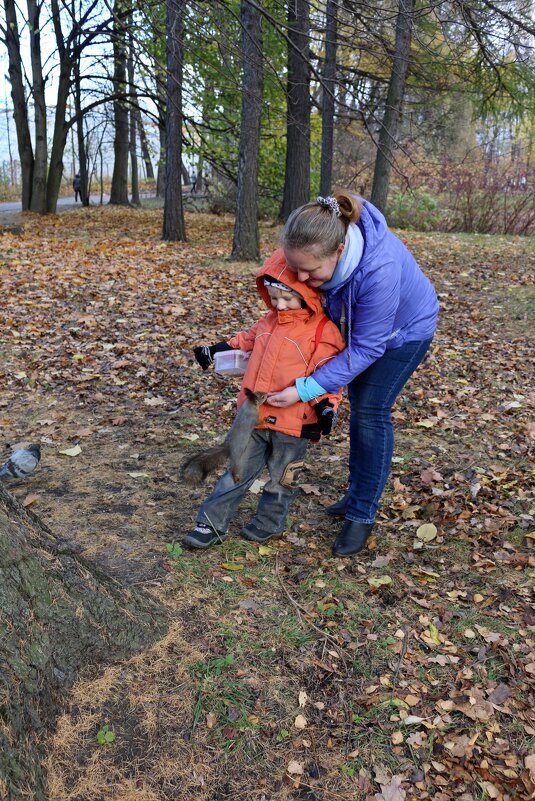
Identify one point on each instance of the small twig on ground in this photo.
(301, 612)
(401, 657)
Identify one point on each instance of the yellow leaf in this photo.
(76, 451)
(232, 566)
(379, 581)
(265, 550)
(433, 634)
(427, 532)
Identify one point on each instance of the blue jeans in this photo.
(371, 397)
(283, 456)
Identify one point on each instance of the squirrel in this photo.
(197, 467)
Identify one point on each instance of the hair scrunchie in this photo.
(329, 202)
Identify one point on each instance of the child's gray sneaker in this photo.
(203, 536)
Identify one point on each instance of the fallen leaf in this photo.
(427, 532)
(138, 475)
(303, 698)
(76, 451)
(232, 566)
(379, 581)
(433, 634)
(265, 550)
(300, 722)
(210, 720)
(190, 437)
(310, 489)
(158, 401)
(295, 768)
(392, 791)
(29, 499)
(257, 486)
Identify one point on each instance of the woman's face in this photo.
(311, 267)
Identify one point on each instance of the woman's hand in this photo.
(287, 397)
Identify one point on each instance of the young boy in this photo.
(294, 338)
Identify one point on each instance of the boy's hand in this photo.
(326, 416)
(203, 356)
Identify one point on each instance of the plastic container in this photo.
(231, 362)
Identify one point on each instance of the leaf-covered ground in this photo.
(405, 673)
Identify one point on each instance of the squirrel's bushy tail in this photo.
(197, 467)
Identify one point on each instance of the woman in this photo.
(387, 312)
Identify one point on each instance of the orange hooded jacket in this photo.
(283, 347)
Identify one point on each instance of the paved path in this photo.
(63, 202)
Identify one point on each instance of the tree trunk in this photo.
(38, 199)
(133, 134)
(174, 228)
(58, 614)
(394, 103)
(20, 109)
(145, 152)
(119, 181)
(161, 94)
(246, 244)
(82, 156)
(297, 173)
(327, 105)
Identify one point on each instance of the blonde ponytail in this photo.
(322, 223)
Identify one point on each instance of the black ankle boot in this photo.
(352, 539)
(338, 509)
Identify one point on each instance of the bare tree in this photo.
(394, 102)
(297, 172)
(246, 243)
(327, 105)
(174, 227)
(119, 181)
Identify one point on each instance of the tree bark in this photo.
(174, 228)
(38, 199)
(145, 152)
(20, 108)
(82, 156)
(394, 103)
(297, 172)
(119, 181)
(58, 614)
(133, 126)
(246, 244)
(327, 105)
(161, 94)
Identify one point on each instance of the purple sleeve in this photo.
(370, 323)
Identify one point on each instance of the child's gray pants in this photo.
(282, 455)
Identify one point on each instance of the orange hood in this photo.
(277, 267)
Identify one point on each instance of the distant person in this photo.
(77, 186)
(193, 182)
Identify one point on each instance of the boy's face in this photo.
(282, 301)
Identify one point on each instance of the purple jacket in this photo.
(387, 301)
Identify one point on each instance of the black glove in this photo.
(326, 416)
(204, 354)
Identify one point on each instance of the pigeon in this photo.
(21, 463)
